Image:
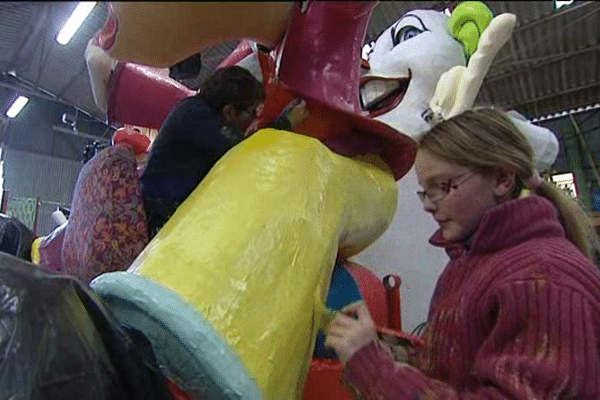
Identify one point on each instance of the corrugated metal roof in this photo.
(15, 17)
(59, 70)
(551, 62)
(50, 178)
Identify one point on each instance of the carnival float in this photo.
(229, 300)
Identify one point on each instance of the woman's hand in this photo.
(350, 330)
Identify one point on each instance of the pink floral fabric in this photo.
(51, 249)
(107, 226)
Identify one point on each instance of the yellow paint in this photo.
(35, 250)
(253, 247)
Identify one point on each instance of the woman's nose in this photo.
(428, 205)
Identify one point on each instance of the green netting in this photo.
(24, 209)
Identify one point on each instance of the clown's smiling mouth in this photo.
(380, 95)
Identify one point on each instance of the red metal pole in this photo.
(392, 289)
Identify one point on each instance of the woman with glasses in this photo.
(516, 312)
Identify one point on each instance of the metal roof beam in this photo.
(28, 46)
(521, 85)
(38, 92)
(79, 134)
(538, 62)
(73, 79)
(556, 94)
(552, 16)
(572, 22)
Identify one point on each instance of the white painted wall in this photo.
(404, 250)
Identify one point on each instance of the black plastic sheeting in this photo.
(57, 341)
(15, 237)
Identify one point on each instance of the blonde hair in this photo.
(484, 139)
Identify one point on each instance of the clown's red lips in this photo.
(380, 95)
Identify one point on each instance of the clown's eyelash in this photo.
(395, 29)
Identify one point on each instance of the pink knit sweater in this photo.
(515, 316)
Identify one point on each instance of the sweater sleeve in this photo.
(372, 374)
(543, 345)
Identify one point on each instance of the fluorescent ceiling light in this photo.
(79, 15)
(17, 106)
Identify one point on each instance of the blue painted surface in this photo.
(343, 290)
(189, 350)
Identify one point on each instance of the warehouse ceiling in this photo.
(549, 65)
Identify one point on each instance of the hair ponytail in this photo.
(578, 226)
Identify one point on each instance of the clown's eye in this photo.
(405, 33)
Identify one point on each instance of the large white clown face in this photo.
(406, 63)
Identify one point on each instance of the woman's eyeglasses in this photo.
(441, 190)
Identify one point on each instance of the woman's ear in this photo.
(505, 181)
